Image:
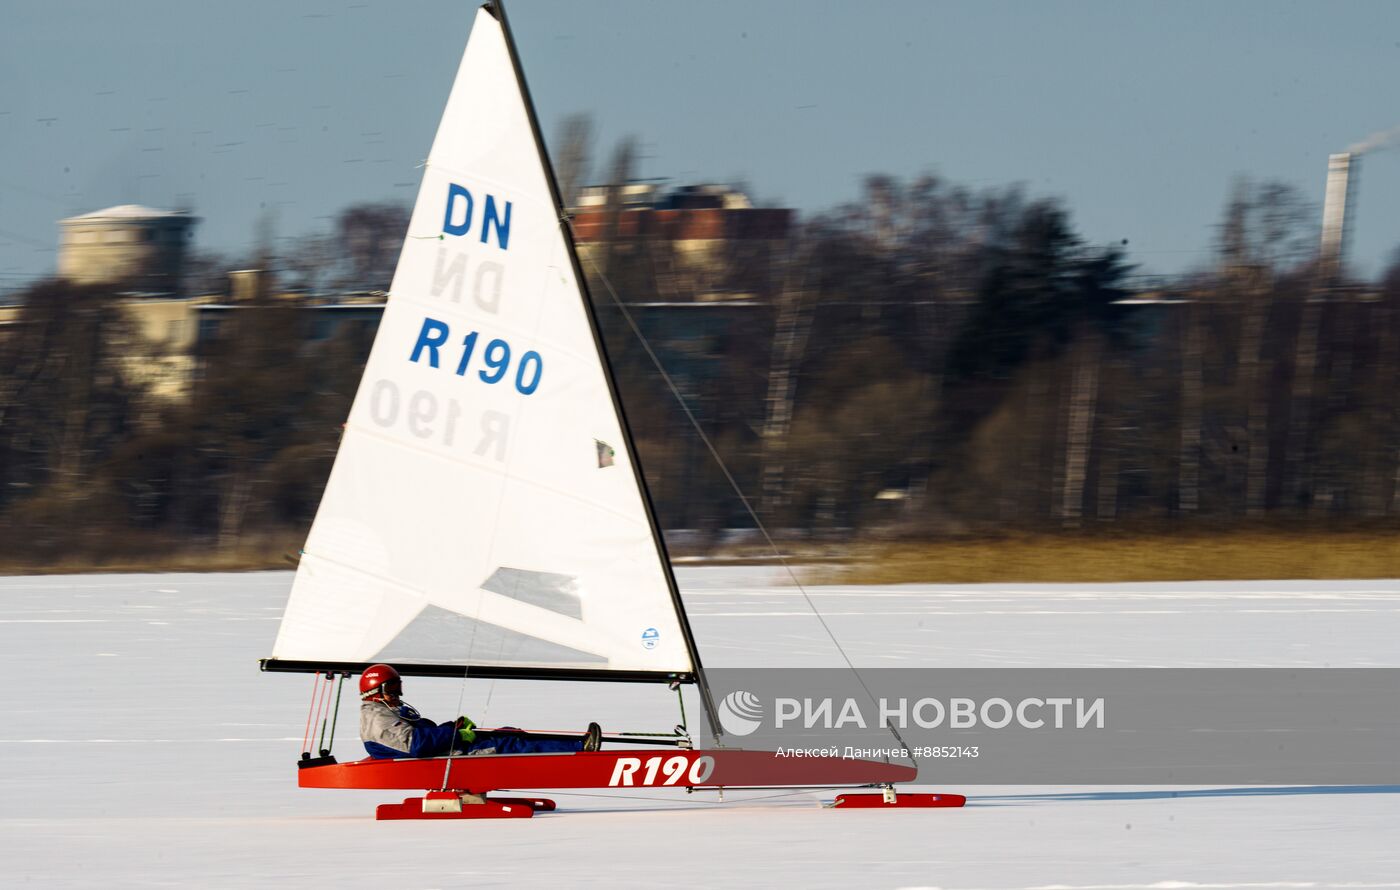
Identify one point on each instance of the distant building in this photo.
(139, 247)
(164, 356)
(719, 247)
(713, 248)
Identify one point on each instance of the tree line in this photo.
(930, 360)
(938, 360)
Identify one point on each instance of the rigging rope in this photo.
(461, 695)
(680, 697)
(335, 715)
(729, 477)
(321, 749)
(315, 697)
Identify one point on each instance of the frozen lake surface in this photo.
(145, 748)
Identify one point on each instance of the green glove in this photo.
(466, 730)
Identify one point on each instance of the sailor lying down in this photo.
(390, 727)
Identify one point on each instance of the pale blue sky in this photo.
(1136, 114)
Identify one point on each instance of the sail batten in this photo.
(471, 523)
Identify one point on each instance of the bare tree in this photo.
(309, 262)
(573, 157)
(1083, 399)
(1110, 436)
(606, 259)
(371, 236)
(66, 396)
(1297, 478)
(1266, 234)
(1189, 472)
(794, 323)
(206, 273)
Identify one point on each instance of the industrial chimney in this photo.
(1337, 210)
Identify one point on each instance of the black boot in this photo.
(593, 739)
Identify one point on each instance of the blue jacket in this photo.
(402, 732)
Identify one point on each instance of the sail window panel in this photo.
(438, 636)
(548, 590)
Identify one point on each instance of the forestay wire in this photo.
(729, 477)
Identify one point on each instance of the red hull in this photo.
(604, 769)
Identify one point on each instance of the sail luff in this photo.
(567, 231)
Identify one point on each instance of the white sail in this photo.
(483, 508)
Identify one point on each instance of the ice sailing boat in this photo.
(486, 516)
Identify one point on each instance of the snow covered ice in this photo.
(145, 747)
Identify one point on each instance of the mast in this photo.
(497, 9)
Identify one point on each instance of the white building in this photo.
(139, 247)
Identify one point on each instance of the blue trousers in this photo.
(523, 743)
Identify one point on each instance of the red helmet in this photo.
(379, 680)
